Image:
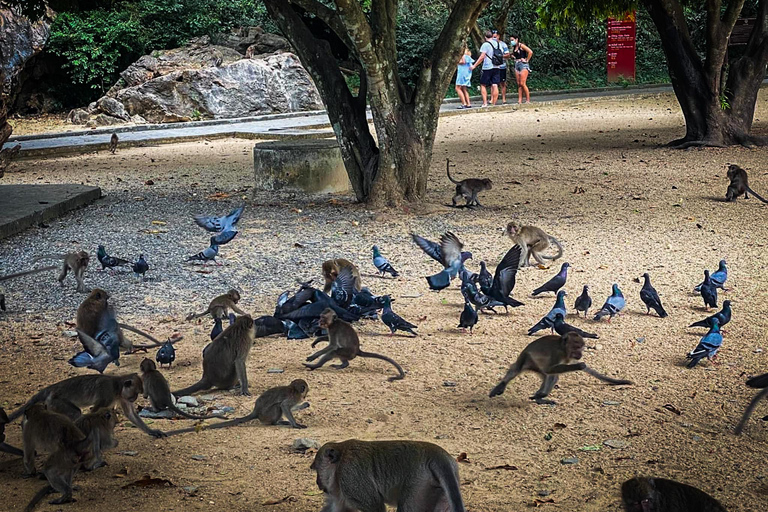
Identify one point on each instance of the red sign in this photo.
(620, 47)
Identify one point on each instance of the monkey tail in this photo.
(42, 493)
(749, 410)
(195, 416)
(18, 412)
(614, 382)
(192, 316)
(559, 250)
(760, 382)
(141, 333)
(49, 257)
(384, 358)
(448, 477)
(221, 424)
(27, 272)
(448, 171)
(757, 195)
(201, 385)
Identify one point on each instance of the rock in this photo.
(569, 461)
(449, 384)
(166, 414)
(112, 107)
(275, 370)
(103, 120)
(78, 116)
(544, 493)
(267, 43)
(137, 119)
(303, 444)
(208, 398)
(241, 39)
(69, 334)
(130, 453)
(617, 444)
(188, 400)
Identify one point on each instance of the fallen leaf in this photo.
(147, 481)
(121, 474)
(559, 426)
(219, 195)
(462, 458)
(287, 499)
(590, 448)
(159, 222)
(297, 245)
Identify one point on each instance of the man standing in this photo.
(491, 57)
(503, 67)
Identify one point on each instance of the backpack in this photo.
(497, 59)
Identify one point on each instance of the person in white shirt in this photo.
(491, 57)
(503, 67)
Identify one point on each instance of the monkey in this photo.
(270, 408)
(59, 469)
(97, 391)
(646, 494)
(74, 261)
(344, 344)
(739, 184)
(48, 431)
(28, 272)
(5, 447)
(549, 356)
(468, 188)
(224, 359)
(534, 241)
(6, 156)
(331, 269)
(368, 475)
(220, 306)
(98, 427)
(159, 393)
(113, 143)
(758, 382)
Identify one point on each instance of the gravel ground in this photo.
(643, 208)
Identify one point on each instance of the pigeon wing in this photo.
(432, 249)
(506, 271)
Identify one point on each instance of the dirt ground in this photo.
(643, 208)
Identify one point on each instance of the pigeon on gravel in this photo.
(723, 317)
(708, 291)
(140, 267)
(478, 298)
(548, 321)
(103, 348)
(485, 279)
(382, 264)
(563, 328)
(708, 346)
(219, 224)
(468, 317)
(448, 252)
(554, 284)
(108, 261)
(613, 304)
(394, 321)
(650, 298)
(166, 354)
(207, 254)
(583, 301)
(218, 326)
(718, 277)
(504, 278)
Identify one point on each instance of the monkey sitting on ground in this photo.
(549, 356)
(74, 261)
(468, 188)
(5, 447)
(271, 407)
(113, 143)
(739, 184)
(344, 344)
(224, 359)
(44, 430)
(220, 306)
(99, 429)
(534, 242)
(368, 475)
(643, 494)
(331, 269)
(159, 393)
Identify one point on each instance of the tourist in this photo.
(503, 67)
(464, 78)
(522, 55)
(491, 57)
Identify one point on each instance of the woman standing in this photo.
(522, 55)
(464, 78)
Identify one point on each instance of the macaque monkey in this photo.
(97, 391)
(99, 429)
(59, 469)
(645, 494)
(159, 393)
(344, 344)
(534, 242)
(368, 475)
(220, 306)
(549, 356)
(6, 156)
(224, 359)
(113, 143)
(468, 188)
(4, 447)
(739, 184)
(271, 407)
(331, 269)
(74, 261)
(48, 431)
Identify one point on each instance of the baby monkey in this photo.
(113, 143)
(220, 306)
(739, 184)
(534, 242)
(159, 393)
(468, 188)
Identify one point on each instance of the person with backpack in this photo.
(503, 67)
(491, 57)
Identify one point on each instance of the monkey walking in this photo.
(549, 356)
(467, 188)
(645, 494)
(344, 344)
(159, 393)
(368, 475)
(113, 143)
(534, 242)
(99, 429)
(739, 184)
(74, 261)
(59, 470)
(220, 306)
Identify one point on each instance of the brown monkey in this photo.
(534, 241)
(270, 408)
(331, 269)
(344, 344)
(59, 469)
(224, 359)
(468, 188)
(220, 306)
(99, 428)
(739, 184)
(368, 475)
(4, 447)
(644, 494)
(48, 431)
(28, 272)
(549, 356)
(74, 261)
(113, 143)
(96, 391)
(159, 393)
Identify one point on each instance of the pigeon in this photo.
(140, 267)
(650, 298)
(382, 264)
(723, 317)
(208, 254)
(108, 261)
(466, 275)
(224, 237)
(268, 325)
(366, 305)
(708, 346)
(485, 279)
(478, 298)
(449, 253)
(708, 291)
(613, 304)
(286, 303)
(343, 287)
(166, 354)
(468, 317)
(393, 321)
(504, 278)
(294, 332)
(717, 277)
(548, 321)
(554, 284)
(563, 328)
(219, 224)
(103, 348)
(759, 381)
(218, 328)
(583, 301)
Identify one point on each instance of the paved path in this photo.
(272, 127)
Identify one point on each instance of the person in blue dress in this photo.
(464, 78)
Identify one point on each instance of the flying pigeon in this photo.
(448, 253)
(219, 224)
(504, 278)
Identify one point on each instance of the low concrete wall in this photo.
(312, 166)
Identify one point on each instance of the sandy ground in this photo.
(644, 208)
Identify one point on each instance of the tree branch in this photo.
(330, 18)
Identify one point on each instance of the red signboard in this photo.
(620, 47)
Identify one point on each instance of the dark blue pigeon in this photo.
(166, 354)
(207, 254)
(718, 277)
(650, 297)
(485, 279)
(448, 253)
(382, 264)
(287, 303)
(583, 301)
(708, 291)
(394, 321)
(343, 287)
(218, 328)
(557, 282)
(548, 321)
(613, 304)
(140, 267)
(562, 328)
(478, 298)
(219, 224)
(103, 348)
(708, 346)
(723, 317)
(468, 317)
(294, 332)
(268, 325)
(504, 278)
(108, 261)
